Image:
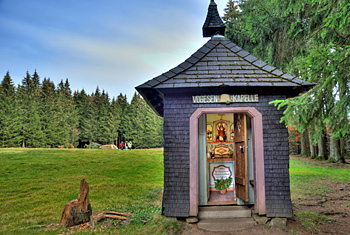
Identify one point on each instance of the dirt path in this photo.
(335, 205)
(332, 207)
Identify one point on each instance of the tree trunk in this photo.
(342, 148)
(313, 152)
(322, 147)
(335, 151)
(304, 139)
(78, 211)
(342, 94)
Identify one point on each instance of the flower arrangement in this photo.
(221, 184)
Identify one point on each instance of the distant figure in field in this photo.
(130, 145)
(126, 145)
(121, 145)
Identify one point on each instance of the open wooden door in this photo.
(241, 163)
(202, 161)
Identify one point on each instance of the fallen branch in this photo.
(114, 217)
(117, 213)
(111, 215)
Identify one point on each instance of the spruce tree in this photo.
(81, 100)
(114, 121)
(29, 97)
(105, 135)
(90, 123)
(125, 124)
(310, 38)
(145, 127)
(9, 119)
(68, 114)
(50, 115)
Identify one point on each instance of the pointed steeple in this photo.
(213, 24)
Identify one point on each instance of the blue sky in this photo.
(113, 44)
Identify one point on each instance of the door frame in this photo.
(258, 155)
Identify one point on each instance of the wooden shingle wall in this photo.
(177, 111)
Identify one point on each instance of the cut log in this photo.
(79, 210)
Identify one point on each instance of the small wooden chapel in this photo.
(218, 123)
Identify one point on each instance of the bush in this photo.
(92, 146)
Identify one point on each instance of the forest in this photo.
(39, 114)
(310, 39)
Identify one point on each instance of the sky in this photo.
(111, 44)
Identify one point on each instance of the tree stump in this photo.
(78, 211)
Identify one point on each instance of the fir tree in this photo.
(114, 121)
(105, 134)
(9, 119)
(81, 100)
(125, 124)
(90, 123)
(145, 127)
(50, 113)
(29, 96)
(68, 115)
(308, 38)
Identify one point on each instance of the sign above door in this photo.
(225, 98)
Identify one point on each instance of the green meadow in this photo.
(36, 184)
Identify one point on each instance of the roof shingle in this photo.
(221, 63)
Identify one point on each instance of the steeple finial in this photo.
(213, 24)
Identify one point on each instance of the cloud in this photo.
(113, 48)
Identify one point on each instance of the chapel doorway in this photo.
(225, 151)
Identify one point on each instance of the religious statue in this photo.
(221, 133)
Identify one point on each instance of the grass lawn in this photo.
(37, 183)
(312, 179)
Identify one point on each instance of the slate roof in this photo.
(218, 63)
(213, 23)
